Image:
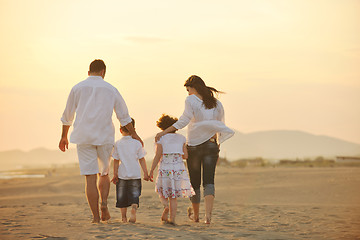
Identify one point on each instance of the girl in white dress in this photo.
(172, 180)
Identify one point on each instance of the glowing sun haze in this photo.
(283, 64)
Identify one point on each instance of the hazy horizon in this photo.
(291, 65)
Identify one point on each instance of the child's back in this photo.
(129, 151)
(172, 143)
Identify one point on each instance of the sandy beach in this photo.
(250, 203)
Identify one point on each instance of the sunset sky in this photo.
(284, 65)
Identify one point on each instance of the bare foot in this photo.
(165, 214)
(95, 221)
(191, 215)
(171, 223)
(208, 219)
(124, 220)
(132, 218)
(105, 214)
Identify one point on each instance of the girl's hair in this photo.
(207, 93)
(165, 121)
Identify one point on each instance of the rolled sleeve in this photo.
(121, 110)
(187, 115)
(221, 114)
(69, 112)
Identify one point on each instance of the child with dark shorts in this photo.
(127, 174)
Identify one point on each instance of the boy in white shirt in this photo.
(127, 175)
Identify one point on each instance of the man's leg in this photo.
(104, 187)
(92, 196)
(104, 156)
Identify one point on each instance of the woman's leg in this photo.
(209, 203)
(209, 165)
(194, 167)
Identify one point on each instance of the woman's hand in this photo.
(159, 135)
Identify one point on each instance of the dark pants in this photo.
(203, 156)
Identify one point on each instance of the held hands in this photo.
(151, 176)
(115, 179)
(146, 177)
(63, 144)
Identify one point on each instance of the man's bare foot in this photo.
(132, 218)
(191, 215)
(124, 220)
(165, 214)
(95, 220)
(105, 214)
(171, 223)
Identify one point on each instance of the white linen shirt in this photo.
(128, 151)
(203, 123)
(172, 143)
(94, 100)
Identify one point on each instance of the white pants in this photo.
(94, 159)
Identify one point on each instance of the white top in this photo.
(94, 100)
(172, 143)
(128, 151)
(203, 123)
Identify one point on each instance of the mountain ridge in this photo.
(272, 145)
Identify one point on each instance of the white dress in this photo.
(173, 179)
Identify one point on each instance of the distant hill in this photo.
(274, 145)
(281, 144)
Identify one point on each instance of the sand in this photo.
(250, 203)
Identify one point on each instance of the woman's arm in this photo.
(168, 130)
(156, 160)
(183, 121)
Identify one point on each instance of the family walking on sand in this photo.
(94, 101)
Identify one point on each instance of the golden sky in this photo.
(290, 65)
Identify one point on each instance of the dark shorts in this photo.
(127, 192)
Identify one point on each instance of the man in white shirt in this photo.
(94, 100)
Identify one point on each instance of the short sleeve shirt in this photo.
(128, 151)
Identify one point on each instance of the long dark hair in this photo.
(207, 93)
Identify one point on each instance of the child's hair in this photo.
(124, 129)
(165, 121)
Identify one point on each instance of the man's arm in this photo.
(64, 143)
(133, 133)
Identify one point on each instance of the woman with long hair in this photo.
(204, 116)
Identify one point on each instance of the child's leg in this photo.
(123, 214)
(132, 218)
(173, 207)
(165, 214)
(133, 195)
